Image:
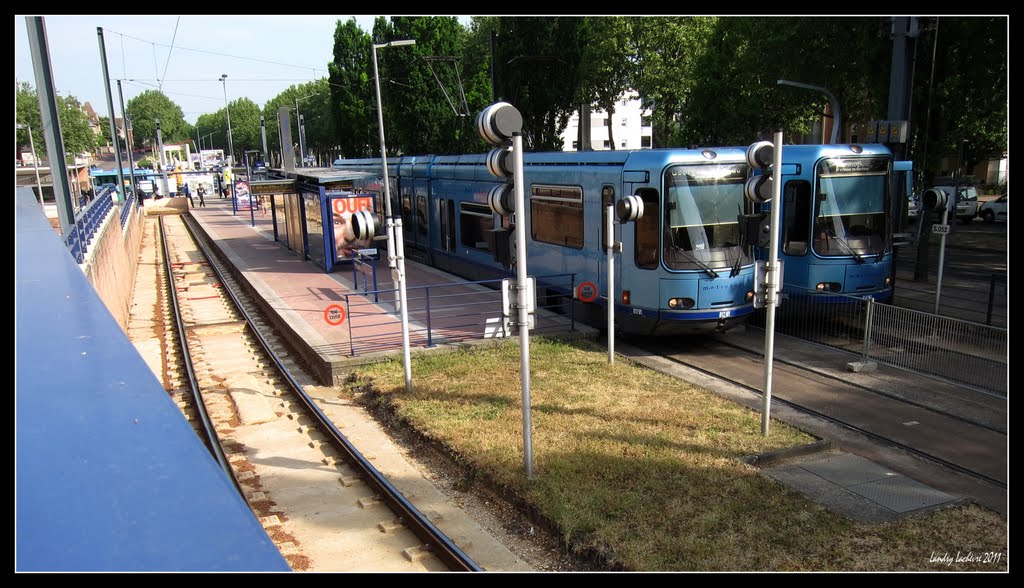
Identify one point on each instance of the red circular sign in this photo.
(587, 292)
(334, 314)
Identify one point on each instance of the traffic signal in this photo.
(497, 124)
(760, 156)
(366, 226)
(630, 208)
(935, 199)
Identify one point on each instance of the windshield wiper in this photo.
(842, 242)
(707, 269)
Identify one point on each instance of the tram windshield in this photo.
(850, 214)
(702, 203)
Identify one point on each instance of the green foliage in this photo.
(146, 108)
(538, 62)
(352, 98)
(76, 135)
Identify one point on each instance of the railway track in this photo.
(321, 500)
(849, 406)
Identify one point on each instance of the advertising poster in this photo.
(196, 180)
(342, 208)
(243, 200)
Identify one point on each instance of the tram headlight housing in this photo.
(888, 281)
(625, 297)
(829, 287)
(680, 303)
(750, 296)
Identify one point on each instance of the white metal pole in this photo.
(524, 329)
(942, 252)
(35, 163)
(609, 225)
(396, 246)
(772, 286)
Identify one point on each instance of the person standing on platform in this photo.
(202, 192)
(187, 191)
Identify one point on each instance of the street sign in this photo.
(334, 314)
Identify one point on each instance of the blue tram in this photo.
(835, 223)
(681, 269)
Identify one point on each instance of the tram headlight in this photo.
(888, 281)
(625, 297)
(750, 296)
(829, 287)
(680, 303)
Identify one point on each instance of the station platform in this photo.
(327, 318)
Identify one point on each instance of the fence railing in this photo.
(963, 352)
(449, 313)
(88, 220)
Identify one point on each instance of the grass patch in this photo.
(645, 469)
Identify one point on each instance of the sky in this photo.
(183, 56)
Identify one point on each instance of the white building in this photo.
(631, 127)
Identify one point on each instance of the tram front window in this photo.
(851, 204)
(702, 203)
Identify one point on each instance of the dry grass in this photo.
(644, 468)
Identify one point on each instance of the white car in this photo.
(994, 210)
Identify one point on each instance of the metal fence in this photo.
(963, 352)
(449, 313)
(88, 221)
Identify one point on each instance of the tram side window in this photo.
(406, 208)
(421, 215)
(645, 243)
(556, 215)
(476, 222)
(796, 217)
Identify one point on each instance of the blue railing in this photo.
(88, 220)
(452, 312)
(365, 266)
(127, 207)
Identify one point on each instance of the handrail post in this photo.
(867, 326)
(348, 313)
(430, 341)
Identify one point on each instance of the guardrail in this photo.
(449, 313)
(958, 351)
(88, 220)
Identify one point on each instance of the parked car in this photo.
(994, 210)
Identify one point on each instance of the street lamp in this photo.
(396, 252)
(35, 162)
(836, 115)
(298, 128)
(231, 147)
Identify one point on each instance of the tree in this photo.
(606, 68)
(353, 105)
(150, 105)
(245, 127)
(538, 70)
(74, 125)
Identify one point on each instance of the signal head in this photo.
(630, 208)
(761, 154)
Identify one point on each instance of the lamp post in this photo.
(396, 253)
(231, 147)
(837, 119)
(35, 161)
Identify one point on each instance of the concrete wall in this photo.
(112, 260)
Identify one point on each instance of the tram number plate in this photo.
(725, 314)
(940, 229)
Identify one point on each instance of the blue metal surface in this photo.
(109, 476)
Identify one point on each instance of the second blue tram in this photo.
(835, 223)
(682, 268)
